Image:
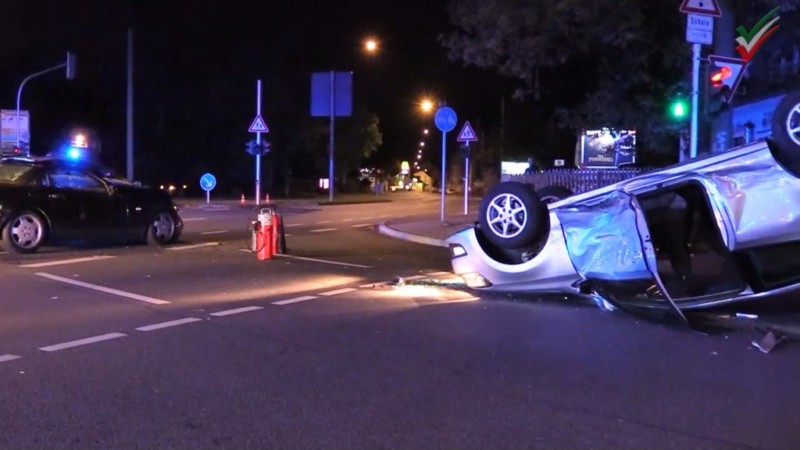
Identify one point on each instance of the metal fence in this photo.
(576, 180)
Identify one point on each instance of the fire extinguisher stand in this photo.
(263, 235)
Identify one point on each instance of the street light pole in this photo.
(30, 77)
(70, 66)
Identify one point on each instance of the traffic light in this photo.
(253, 148)
(16, 150)
(679, 109)
(725, 76)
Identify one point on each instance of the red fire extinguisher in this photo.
(264, 240)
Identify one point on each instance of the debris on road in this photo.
(769, 342)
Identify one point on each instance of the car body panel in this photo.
(603, 235)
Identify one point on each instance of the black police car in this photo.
(47, 200)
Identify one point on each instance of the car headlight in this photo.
(457, 250)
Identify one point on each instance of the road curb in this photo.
(383, 228)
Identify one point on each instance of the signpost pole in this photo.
(333, 118)
(695, 99)
(466, 182)
(444, 170)
(258, 143)
(208, 197)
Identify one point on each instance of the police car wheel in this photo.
(785, 145)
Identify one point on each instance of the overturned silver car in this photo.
(711, 231)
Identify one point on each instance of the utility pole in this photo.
(129, 140)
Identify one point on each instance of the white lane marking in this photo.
(8, 357)
(67, 261)
(287, 234)
(336, 263)
(189, 247)
(322, 230)
(79, 342)
(450, 302)
(348, 220)
(380, 283)
(293, 225)
(229, 312)
(323, 221)
(438, 274)
(206, 233)
(361, 225)
(414, 277)
(338, 291)
(171, 323)
(96, 287)
(192, 219)
(3, 253)
(289, 301)
(366, 218)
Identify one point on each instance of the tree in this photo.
(357, 138)
(599, 63)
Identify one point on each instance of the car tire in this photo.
(512, 216)
(552, 194)
(25, 232)
(163, 229)
(786, 133)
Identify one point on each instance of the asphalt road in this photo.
(200, 345)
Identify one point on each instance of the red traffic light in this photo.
(17, 150)
(718, 78)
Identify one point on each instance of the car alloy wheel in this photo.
(162, 229)
(26, 232)
(793, 124)
(507, 215)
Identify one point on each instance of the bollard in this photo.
(264, 236)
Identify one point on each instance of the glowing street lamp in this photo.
(371, 45)
(425, 131)
(422, 144)
(426, 105)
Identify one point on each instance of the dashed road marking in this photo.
(324, 261)
(171, 323)
(323, 221)
(380, 283)
(348, 220)
(67, 261)
(414, 277)
(289, 301)
(229, 312)
(361, 225)
(293, 225)
(107, 290)
(190, 247)
(439, 274)
(81, 342)
(338, 291)
(194, 219)
(323, 230)
(206, 233)
(8, 357)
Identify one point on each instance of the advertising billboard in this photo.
(606, 148)
(8, 130)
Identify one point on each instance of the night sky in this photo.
(196, 66)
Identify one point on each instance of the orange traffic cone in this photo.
(266, 199)
(242, 201)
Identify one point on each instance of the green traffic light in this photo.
(679, 109)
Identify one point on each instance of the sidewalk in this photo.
(427, 230)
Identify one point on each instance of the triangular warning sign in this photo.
(467, 134)
(707, 7)
(734, 69)
(258, 126)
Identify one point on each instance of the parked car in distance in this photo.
(46, 200)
